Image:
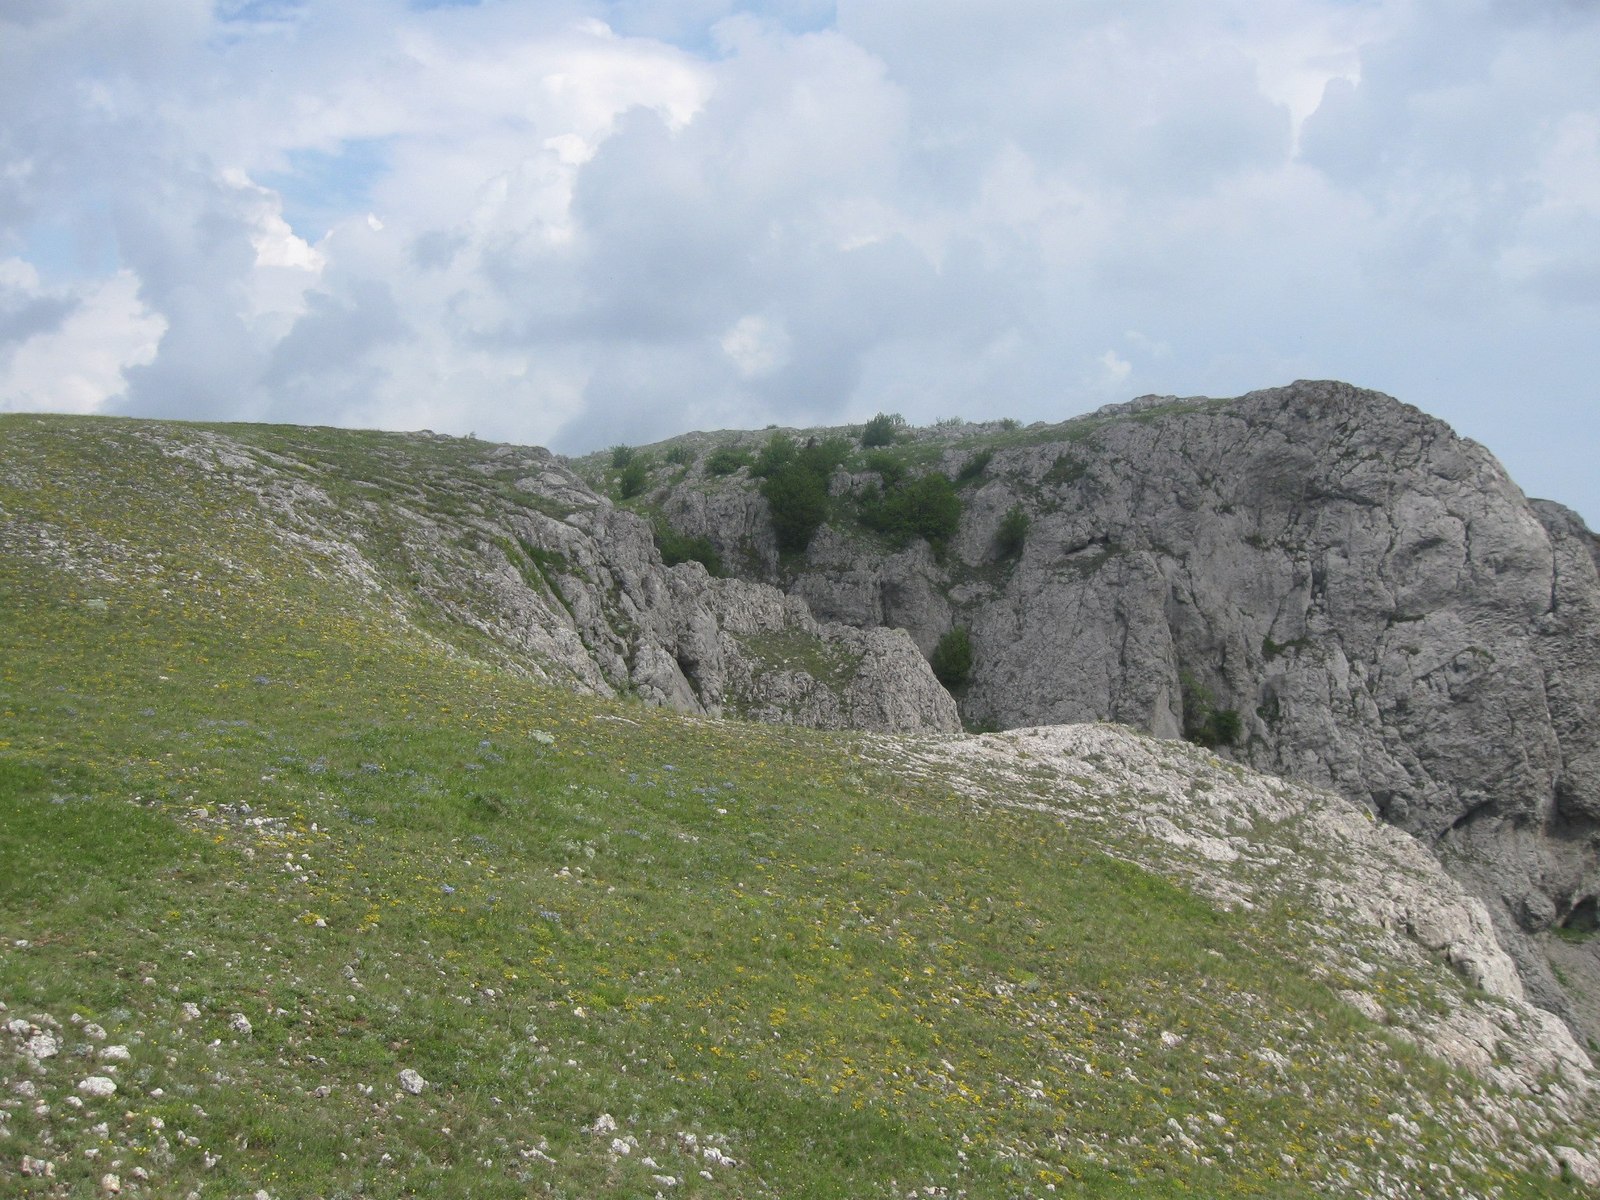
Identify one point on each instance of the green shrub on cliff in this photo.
(926, 507)
(952, 659)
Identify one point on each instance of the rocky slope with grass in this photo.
(503, 551)
(309, 887)
(1318, 580)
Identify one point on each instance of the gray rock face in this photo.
(1374, 598)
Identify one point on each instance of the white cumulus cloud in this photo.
(756, 345)
(79, 360)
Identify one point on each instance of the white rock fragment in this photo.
(240, 1024)
(41, 1045)
(603, 1124)
(189, 1011)
(97, 1087)
(38, 1168)
(110, 1184)
(620, 1147)
(1275, 1060)
(1585, 1168)
(411, 1082)
(115, 1054)
(1170, 1039)
(717, 1158)
(1364, 1003)
(94, 1033)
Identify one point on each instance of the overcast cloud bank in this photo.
(584, 223)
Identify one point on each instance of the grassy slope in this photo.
(229, 778)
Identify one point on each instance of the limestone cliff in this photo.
(1374, 599)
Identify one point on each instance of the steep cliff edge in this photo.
(1328, 584)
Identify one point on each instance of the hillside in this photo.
(1315, 580)
(318, 878)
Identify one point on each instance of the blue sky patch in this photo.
(321, 188)
(70, 250)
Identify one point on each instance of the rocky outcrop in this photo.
(506, 553)
(1365, 893)
(779, 665)
(1366, 594)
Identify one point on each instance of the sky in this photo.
(578, 223)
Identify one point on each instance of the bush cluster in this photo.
(775, 456)
(676, 547)
(1204, 723)
(799, 504)
(952, 659)
(635, 476)
(886, 466)
(795, 484)
(726, 460)
(882, 430)
(1013, 532)
(974, 466)
(925, 507)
